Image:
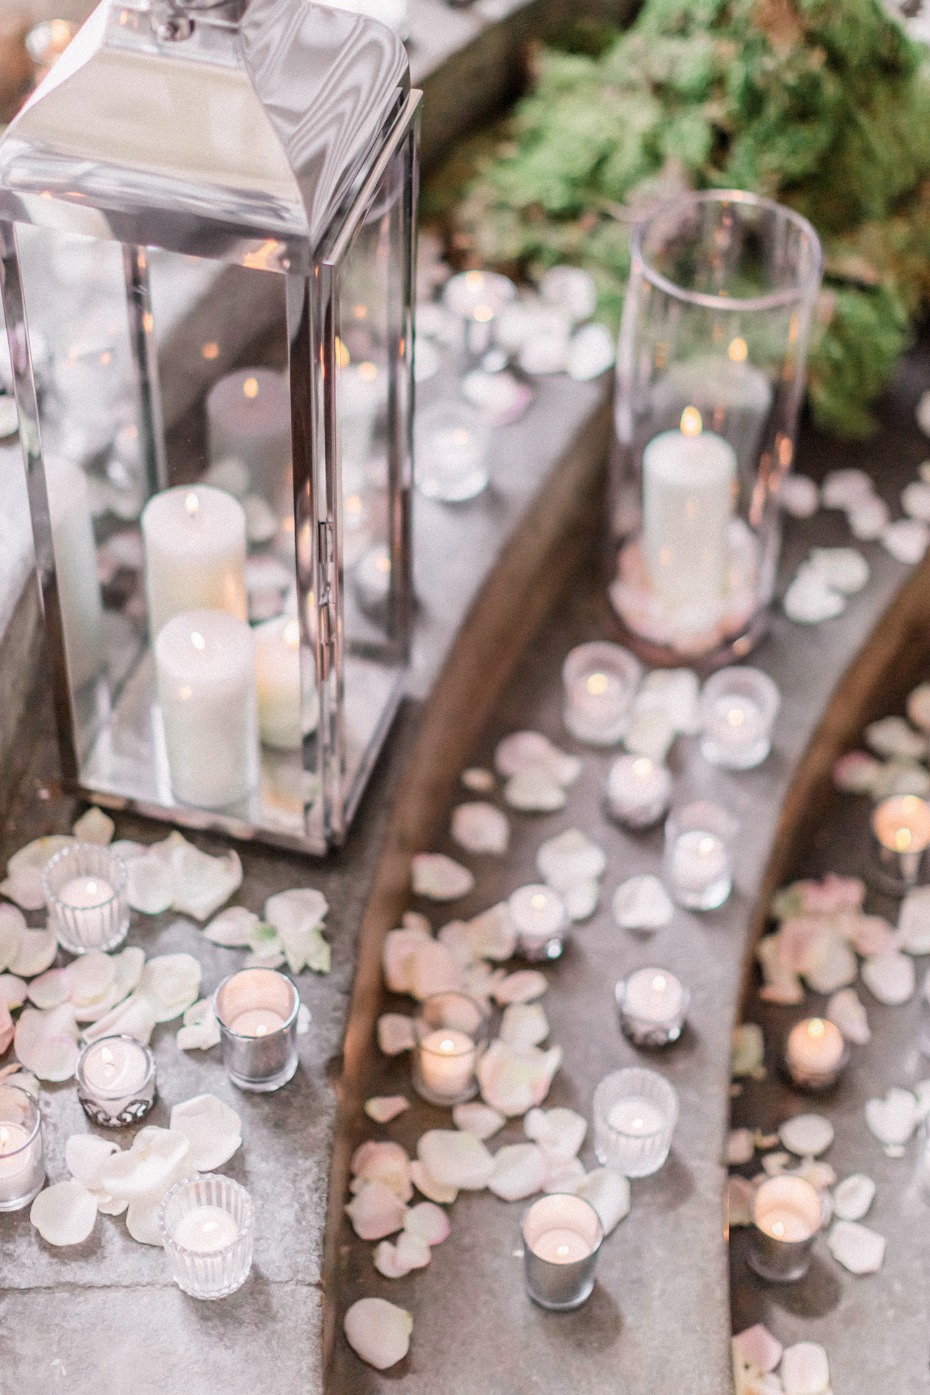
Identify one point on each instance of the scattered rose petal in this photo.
(7, 1030)
(514, 1081)
(651, 733)
(581, 899)
(809, 600)
(590, 353)
(757, 1347)
(439, 878)
(918, 707)
(853, 1197)
(171, 982)
(799, 496)
(642, 903)
(893, 736)
(855, 772)
(906, 540)
(741, 1147)
(456, 1159)
(13, 991)
(91, 977)
(478, 781)
(521, 987)
(155, 1160)
(24, 871)
(395, 1261)
(841, 489)
(380, 1161)
(434, 969)
(85, 1155)
(395, 1033)
(569, 858)
(384, 1108)
(843, 568)
(50, 989)
(133, 1018)
(891, 978)
(519, 1171)
(375, 1211)
(232, 928)
(914, 922)
(805, 1370)
(213, 1130)
(848, 1012)
(479, 1119)
(428, 1222)
(900, 777)
(523, 1024)
(856, 1247)
(481, 828)
(609, 1194)
(535, 792)
(94, 827)
(559, 1132)
(526, 751)
(492, 934)
(64, 1214)
(378, 1332)
(563, 1176)
(835, 966)
(439, 1192)
(806, 1135)
(150, 884)
(201, 883)
(46, 1042)
(397, 955)
(12, 925)
(893, 1119)
(676, 691)
(915, 500)
(748, 1054)
(37, 950)
(297, 916)
(868, 519)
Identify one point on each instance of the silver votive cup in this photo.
(257, 1012)
(207, 1228)
(801, 1064)
(635, 1113)
(787, 1216)
(652, 1005)
(128, 1094)
(451, 1031)
(562, 1237)
(900, 838)
(87, 892)
(22, 1162)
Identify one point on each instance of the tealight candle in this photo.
(815, 1053)
(541, 920)
(635, 1113)
(22, 1163)
(116, 1081)
(599, 681)
(477, 298)
(257, 1012)
(194, 553)
(249, 419)
(901, 826)
(562, 1236)
(77, 585)
(87, 893)
(638, 791)
(652, 1004)
(205, 662)
(452, 443)
(698, 864)
(450, 1030)
(738, 708)
(207, 1224)
(787, 1214)
(284, 717)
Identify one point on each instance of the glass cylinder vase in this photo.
(710, 378)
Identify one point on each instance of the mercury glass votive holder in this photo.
(600, 682)
(562, 1236)
(635, 1113)
(207, 1226)
(451, 1032)
(542, 922)
(698, 860)
(87, 892)
(815, 1054)
(900, 838)
(738, 709)
(115, 1081)
(639, 790)
(787, 1216)
(257, 1012)
(652, 1005)
(22, 1161)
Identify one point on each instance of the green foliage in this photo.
(823, 104)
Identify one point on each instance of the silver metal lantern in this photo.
(207, 226)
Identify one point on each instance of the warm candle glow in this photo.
(691, 424)
(815, 1027)
(736, 717)
(778, 1229)
(250, 388)
(191, 504)
(447, 1046)
(210, 350)
(706, 846)
(538, 902)
(658, 983)
(343, 357)
(902, 824)
(460, 436)
(483, 314)
(292, 634)
(198, 641)
(597, 684)
(738, 352)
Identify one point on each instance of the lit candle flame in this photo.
(597, 684)
(368, 371)
(736, 717)
(292, 634)
(198, 641)
(447, 1046)
(250, 388)
(778, 1229)
(642, 767)
(538, 901)
(903, 837)
(561, 1250)
(483, 314)
(738, 351)
(815, 1028)
(658, 983)
(691, 424)
(261, 1030)
(706, 847)
(191, 504)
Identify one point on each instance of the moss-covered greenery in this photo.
(823, 104)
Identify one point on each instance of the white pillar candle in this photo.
(194, 553)
(75, 570)
(205, 663)
(447, 1062)
(249, 419)
(284, 718)
(689, 479)
(638, 790)
(205, 1229)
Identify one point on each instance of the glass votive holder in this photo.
(635, 1113)
(786, 1217)
(816, 1054)
(453, 445)
(207, 1226)
(257, 1012)
(451, 1031)
(600, 682)
(639, 791)
(541, 920)
(653, 1005)
(562, 1237)
(87, 892)
(477, 298)
(115, 1081)
(901, 836)
(22, 1162)
(698, 861)
(738, 709)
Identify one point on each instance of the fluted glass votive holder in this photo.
(635, 1113)
(257, 1012)
(698, 860)
(22, 1162)
(786, 1218)
(87, 892)
(451, 1032)
(599, 682)
(562, 1237)
(738, 709)
(207, 1226)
